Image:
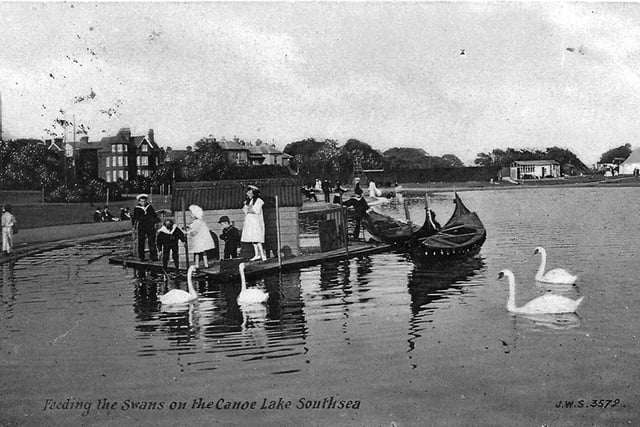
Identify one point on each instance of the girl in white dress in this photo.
(253, 229)
(201, 240)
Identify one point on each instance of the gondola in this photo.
(462, 235)
(390, 230)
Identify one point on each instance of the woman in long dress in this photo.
(201, 240)
(253, 229)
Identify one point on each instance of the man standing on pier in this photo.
(360, 207)
(144, 221)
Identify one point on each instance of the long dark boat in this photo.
(393, 231)
(462, 235)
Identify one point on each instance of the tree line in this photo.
(28, 164)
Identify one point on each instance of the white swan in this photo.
(178, 296)
(557, 275)
(249, 296)
(550, 304)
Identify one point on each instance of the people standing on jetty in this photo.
(326, 189)
(253, 229)
(318, 186)
(231, 237)
(360, 207)
(8, 228)
(201, 241)
(144, 222)
(338, 189)
(169, 236)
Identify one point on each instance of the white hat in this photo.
(253, 187)
(196, 211)
(142, 196)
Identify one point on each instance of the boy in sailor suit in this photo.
(168, 237)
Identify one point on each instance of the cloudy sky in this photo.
(455, 77)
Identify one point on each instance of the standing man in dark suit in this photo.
(144, 221)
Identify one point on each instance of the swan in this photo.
(550, 304)
(557, 275)
(249, 296)
(178, 296)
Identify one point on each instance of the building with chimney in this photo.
(122, 156)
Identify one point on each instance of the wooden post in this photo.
(344, 226)
(278, 232)
(107, 204)
(408, 216)
(186, 242)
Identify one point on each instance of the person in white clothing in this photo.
(373, 190)
(253, 229)
(8, 222)
(201, 240)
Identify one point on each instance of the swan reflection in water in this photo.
(552, 321)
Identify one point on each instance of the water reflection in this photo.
(429, 283)
(552, 321)
(217, 324)
(8, 285)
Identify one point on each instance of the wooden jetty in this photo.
(257, 268)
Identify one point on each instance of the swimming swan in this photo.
(178, 296)
(249, 296)
(557, 275)
(550, 304)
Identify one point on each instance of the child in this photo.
(231, 237)
(168, 238)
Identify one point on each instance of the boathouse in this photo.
(289, 229)
(523, 169)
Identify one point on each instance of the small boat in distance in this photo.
(463, 235)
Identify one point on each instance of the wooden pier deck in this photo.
(257, 268)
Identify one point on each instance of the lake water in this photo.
(375, 340)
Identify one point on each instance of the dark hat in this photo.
(224, 218)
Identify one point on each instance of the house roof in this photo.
(536, 162)
(173, 155)
(263, 149)
(634, 157)
(232, 145)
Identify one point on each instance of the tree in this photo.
(405, 158)
(205, 162)
(619, 152)
(29, 164)
(311, 157)
(451, 161)
(369, 158)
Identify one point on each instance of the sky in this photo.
(450, 78)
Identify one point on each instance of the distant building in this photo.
(243, 153)
(631, 164)
(265, 154)
(123, 156)
(523, 169)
